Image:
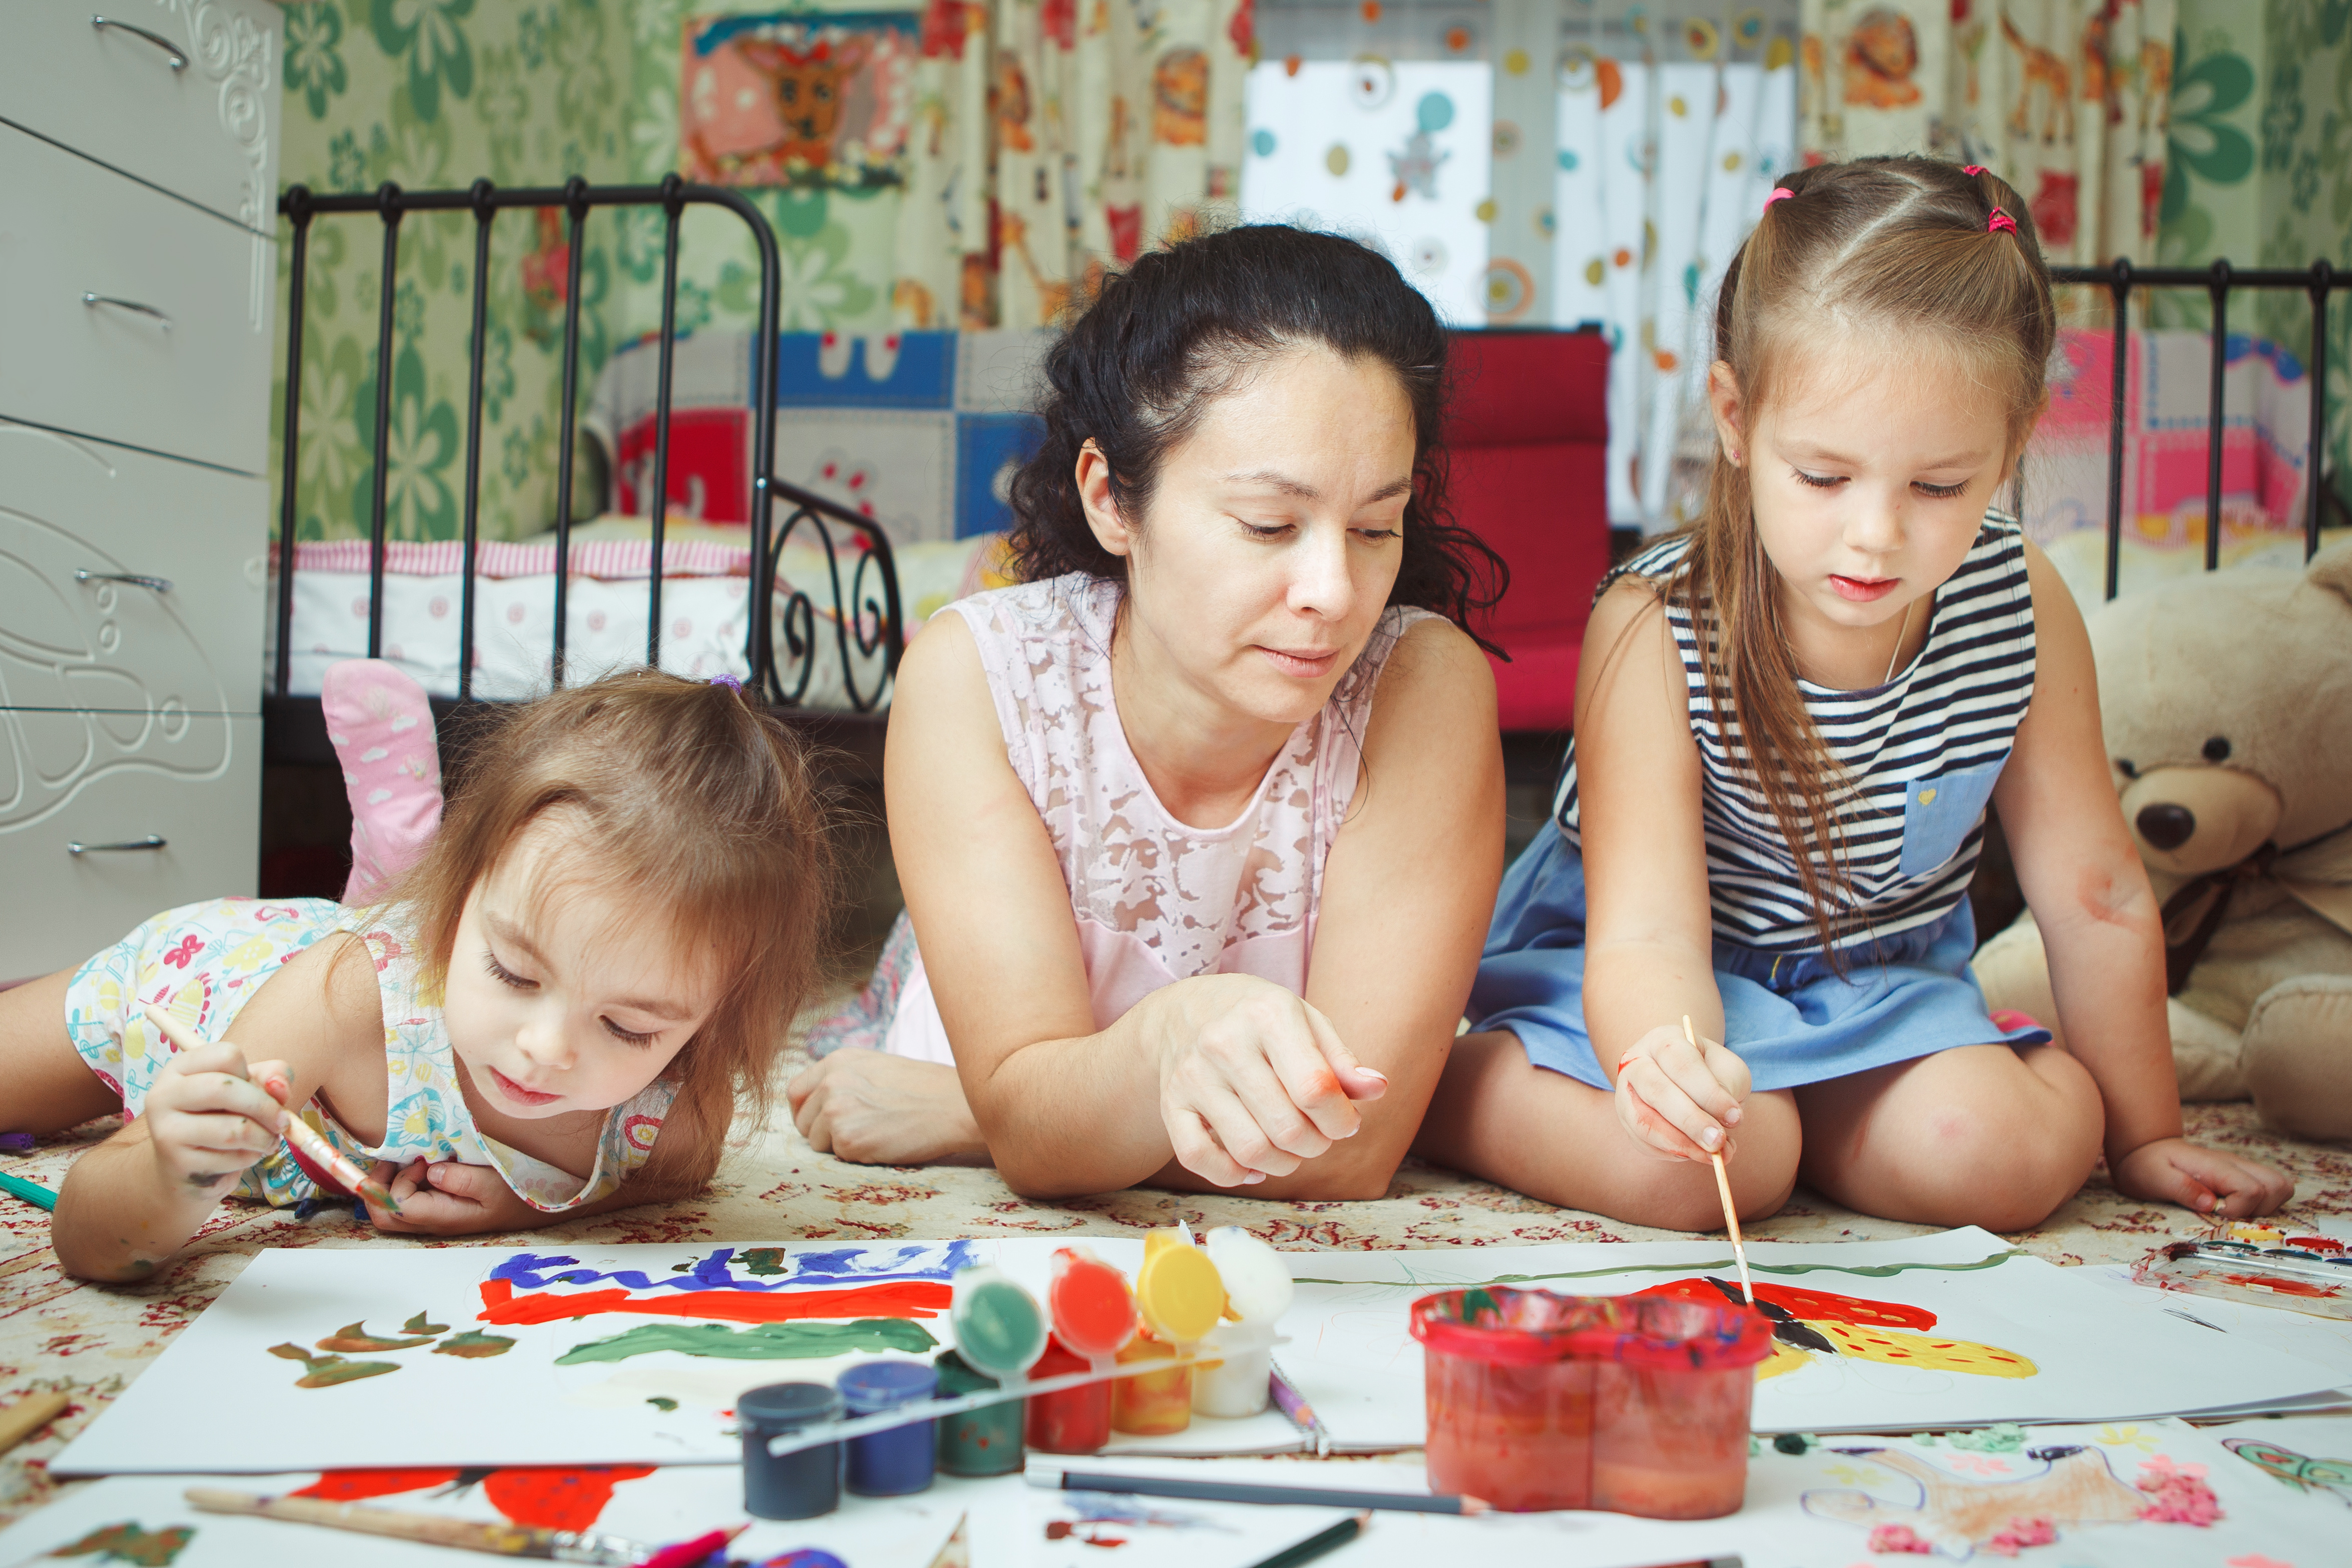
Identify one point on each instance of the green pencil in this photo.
(1316, 1545)
(31, 1192)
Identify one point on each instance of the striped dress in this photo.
(1920, 755)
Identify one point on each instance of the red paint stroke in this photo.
(352, 1486)
(544, 1497)
(900, 1299)
(1811, 1306)
(2281, 1287)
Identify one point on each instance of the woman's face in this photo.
(1274, 535)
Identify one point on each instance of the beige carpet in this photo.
(91, 1341)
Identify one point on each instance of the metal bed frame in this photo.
(867, 617)
(2119, 278)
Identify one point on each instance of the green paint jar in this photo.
(982, 1442)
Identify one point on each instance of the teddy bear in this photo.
(2226, 703)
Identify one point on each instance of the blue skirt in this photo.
(1790, 1017)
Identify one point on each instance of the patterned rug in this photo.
(91, 1339)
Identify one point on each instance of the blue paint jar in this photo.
(899, 1462)
(800, 1485)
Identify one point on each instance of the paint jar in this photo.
(1670, 1408)
(1240, 1381)
(899, 1462)
(790, 1486)
(1074, 1421)
(1510, 1400)
(1151, 1404)
(982, 1442)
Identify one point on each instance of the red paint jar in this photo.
(1075, 1421)
(1635, 1405)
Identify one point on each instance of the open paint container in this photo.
(1636, 1405)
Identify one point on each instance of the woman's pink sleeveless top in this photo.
(1156, 900)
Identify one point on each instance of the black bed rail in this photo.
(863, 620)
(2119, 278)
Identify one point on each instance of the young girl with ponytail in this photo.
(1790, 719)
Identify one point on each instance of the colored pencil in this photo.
(1055, 1477)
(28, 1416)
(31, 1192)
(299, 1132)
(1317, 1544)
(432, 1529)
(1292, 1404)
(1723, 1189)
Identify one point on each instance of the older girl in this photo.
(597, 956)
(1199, 824)
(1788, 724)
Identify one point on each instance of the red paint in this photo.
(1075, 1420)
(1671, 1444)
(1093, 1314)
(899, 1299)
(2281, 1287)
(1813, 1306)
(557, 1496)
(1519, 1437)
(351, 1486)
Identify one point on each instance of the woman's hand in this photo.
(1679, 1099)
(2175, 1170)
(449, 1198)
(208, 1119)
(874, 1109)
(1253, 1081)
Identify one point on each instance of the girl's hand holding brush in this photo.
(211, 1114)
(1680, 1096)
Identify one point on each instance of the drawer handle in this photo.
(152, 841)
(95, 300)
(179, 60)
(152, 584)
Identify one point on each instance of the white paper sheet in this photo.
(1817, 1510)
(2095, 1356)
(216, 1399)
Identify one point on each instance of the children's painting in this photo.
(615, 1355)
(1949, 1330)
(813, 102)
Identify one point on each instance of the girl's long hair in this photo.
(1906, 250)
(696, 804)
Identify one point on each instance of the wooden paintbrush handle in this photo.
(28, 1416)
(433, 1529)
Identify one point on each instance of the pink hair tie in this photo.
(1999, 221)
(1972, 168)
(1779, 193)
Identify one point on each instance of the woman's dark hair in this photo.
(1183, 327)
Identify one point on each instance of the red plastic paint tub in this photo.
(1541, 1401)
(1074, 1421)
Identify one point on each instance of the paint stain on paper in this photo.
(2332, 1477)
(662, 1401)
(543, 1496)
(417, 1325)
(326, 1371)
(1806, 1323)
(355, 1336)
(839, 1266)
(474, 1344)
(761, 1341)
(131, 1543)
(353, 1486)
(1962, 1515)
(911, 1299)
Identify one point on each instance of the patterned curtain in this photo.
(1057, 137)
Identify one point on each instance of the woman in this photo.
(1199, 825)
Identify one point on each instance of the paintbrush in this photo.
(432, 1529)
(297, 1132)
(1723, 1187)
(28, 1416)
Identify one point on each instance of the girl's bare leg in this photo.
(1984, 1135)
(1497, 1116)
(49, 1086)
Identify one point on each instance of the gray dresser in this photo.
(138, 281)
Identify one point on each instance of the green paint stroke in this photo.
(474, 1344)
(355, 1336)
(662, 1402)
(764, 1260)
(1868, 1271)
(326, 1371)
(127, 1542)
(418, 1325)
(760, 1342)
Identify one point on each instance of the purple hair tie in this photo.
(1999, 221)
(727, 680)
